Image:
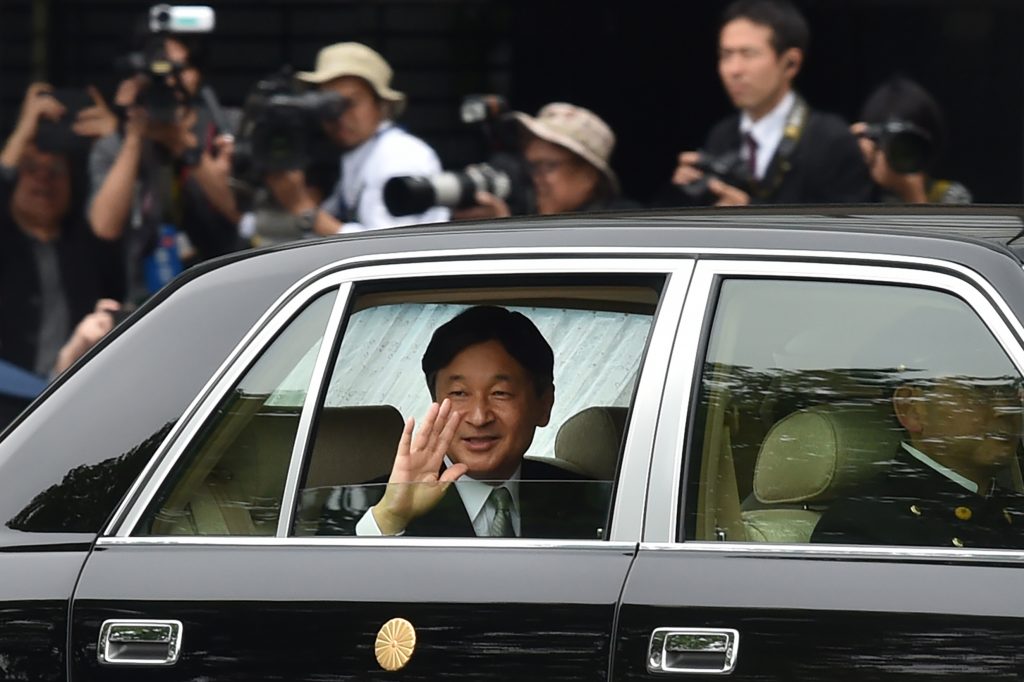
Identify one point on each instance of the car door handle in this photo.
(693, 650)
(139, 642)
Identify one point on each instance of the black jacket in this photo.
(89, 269)
(553, 503)
(912, 504)
(826, 167)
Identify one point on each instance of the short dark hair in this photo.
(479, 324)
(901, 99)
(788, 25)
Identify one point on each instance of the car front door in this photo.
(730, 578)
(234, 578)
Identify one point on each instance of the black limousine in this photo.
(785, 445)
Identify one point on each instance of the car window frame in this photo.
(675, 441)
(627, 513)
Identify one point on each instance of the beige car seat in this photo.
(809, 458)
(588, 443)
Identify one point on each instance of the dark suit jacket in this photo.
(912, 504)
(553, 503)
(826, 166)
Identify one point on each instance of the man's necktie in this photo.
(751, 155)
(501, 524)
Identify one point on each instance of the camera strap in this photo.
(796, 120)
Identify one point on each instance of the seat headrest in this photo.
(354, 444)
(819, 453)
(588, 443)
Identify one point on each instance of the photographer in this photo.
(567, 150)
(901, 134)
(53, 270)
(373, 149)
(776, 149)
(143, 184)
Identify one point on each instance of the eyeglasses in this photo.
(58, 168)
(545, 166)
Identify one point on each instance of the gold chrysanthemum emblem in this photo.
(396, 640)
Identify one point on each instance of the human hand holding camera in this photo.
(688, 173)
(487, 206)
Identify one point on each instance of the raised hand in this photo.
(414, 487)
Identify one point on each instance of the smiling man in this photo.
(779, 149)
(490, 372)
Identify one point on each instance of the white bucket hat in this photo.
(579, 130)
(355, 59)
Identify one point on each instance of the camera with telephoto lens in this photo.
(162, 90)
(504, 174)
(281, 127)
(908, 147)
(730, 168)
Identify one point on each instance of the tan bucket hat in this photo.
(579, 130)
(355, 59)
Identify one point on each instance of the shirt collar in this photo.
(772, 124)
(474, 493)
(944, 470)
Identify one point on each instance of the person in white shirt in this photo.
(779, 150)
(374, 148)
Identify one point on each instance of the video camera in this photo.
(504, 174)
(162, 91)
(908, 148)
(281, 127)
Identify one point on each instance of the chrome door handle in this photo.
(693, 650)
(139, 642)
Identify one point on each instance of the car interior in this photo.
(234, 484)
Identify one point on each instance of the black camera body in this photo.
(281, 127)
(729, 167)
(908, 147)
(504, 174)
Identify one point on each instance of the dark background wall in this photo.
(647, 67)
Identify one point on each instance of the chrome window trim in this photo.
(172, 448)
(310, 405)
(850, 257)
(668, 458)
(830, 551)
(118, 519)
(363, 542)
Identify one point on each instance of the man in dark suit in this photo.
(778, 149)
(948, 486)
(491, 372)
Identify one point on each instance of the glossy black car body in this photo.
(301, 610)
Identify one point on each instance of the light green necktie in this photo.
(501, 524)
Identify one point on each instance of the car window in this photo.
(230, 479)
(597, 331)
(853, 413)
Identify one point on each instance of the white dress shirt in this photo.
(475, 496)
(767, 132)
(364, 171)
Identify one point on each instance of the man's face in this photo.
(754, 75)
(564, 182)
(969, 427)
(43, 190)
(500, 406)
(177, 53)
(362, 117)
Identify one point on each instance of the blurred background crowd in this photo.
(140, 141)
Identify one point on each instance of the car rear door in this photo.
(257, 599)
(710, 593)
